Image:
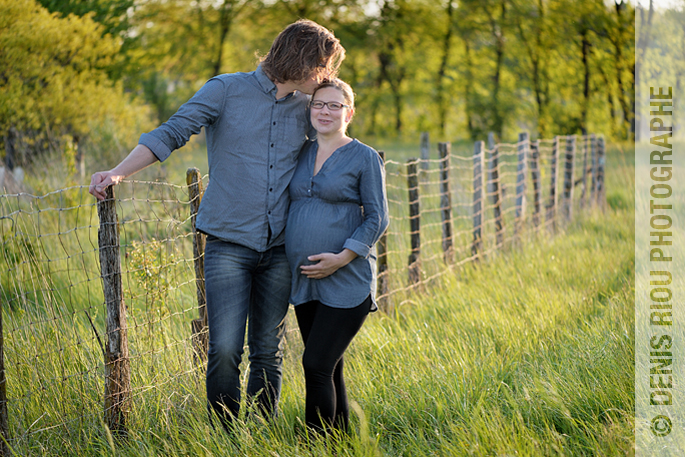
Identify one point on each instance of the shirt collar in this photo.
(267, 84)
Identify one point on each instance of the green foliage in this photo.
(110, 13)
(458, 69)
(54, 82)
(17, 258)
(113, 15)
(149, 261)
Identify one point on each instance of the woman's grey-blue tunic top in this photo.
(343, 206)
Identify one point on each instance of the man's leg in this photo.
(228, 277)
(266, 328)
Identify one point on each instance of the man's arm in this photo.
(141, 157)
(200, 111)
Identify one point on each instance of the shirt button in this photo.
(269, 212)
(271, 189)
(271, 166)
(272, 145)
(274, 123)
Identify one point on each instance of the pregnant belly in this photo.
(313, 228)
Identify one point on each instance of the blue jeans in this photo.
(244, 285)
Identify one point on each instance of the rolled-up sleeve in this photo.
(200, 111)
(375, 204)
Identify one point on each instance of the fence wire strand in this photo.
(52, 292)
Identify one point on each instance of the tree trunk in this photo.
(642, 43)
(397, 97)
(10, 142)
(585, 48)
(440, 89)
(619, 66)
(498, 35)
(227, 13)
(610, 100)
(467, 88)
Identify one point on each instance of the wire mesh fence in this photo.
(58, 332)
(492, 199)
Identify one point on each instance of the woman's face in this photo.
(326, 120)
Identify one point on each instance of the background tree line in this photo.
(95, 73)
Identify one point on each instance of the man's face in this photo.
(318, 76)
(309, 84)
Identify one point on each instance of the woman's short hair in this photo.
(342, 86)
(302, 48)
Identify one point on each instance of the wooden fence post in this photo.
(382, 284)
(594, 165)
(553, 195)
(200, 334)
(495, 190)
(477, 243)
(535, 175)
(567, 206)
(520, 213)
(446, 201)
(4, 416)
(601, 196)
(583, 178)
(414, 221)
(117, 363)
(425, 156)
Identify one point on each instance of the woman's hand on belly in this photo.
(327, 263)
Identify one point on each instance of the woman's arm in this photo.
(375, 202)
(327, 263)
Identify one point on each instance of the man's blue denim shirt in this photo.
(253, 141)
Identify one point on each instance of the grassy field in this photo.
(529, 353)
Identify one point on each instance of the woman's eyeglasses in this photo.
(333, 106)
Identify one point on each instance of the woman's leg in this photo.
(327, 333)
(342, 410)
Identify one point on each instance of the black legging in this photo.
(327, 332)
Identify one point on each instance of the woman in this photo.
(337, 213)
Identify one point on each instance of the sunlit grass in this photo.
(528, 353)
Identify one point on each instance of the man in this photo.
(255, 125)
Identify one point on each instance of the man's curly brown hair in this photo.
(302, 49)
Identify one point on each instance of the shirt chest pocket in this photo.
(292, 132)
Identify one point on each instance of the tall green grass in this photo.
(529, 352)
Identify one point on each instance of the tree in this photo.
(53, 83)
(440, 91)
(485, 30)
(400, 37)
(620, 31)
(535, 34)
(496, 12)
(182, 45)
(643, 42)
(113, 15)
